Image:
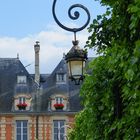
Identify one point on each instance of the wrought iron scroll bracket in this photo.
(73, 17)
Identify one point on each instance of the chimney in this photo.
(37, 73)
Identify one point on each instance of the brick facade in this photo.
(45, 126)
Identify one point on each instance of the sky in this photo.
(25, 22)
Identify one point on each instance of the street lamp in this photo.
(76, 57)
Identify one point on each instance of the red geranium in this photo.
(57, 105)
(21, 105)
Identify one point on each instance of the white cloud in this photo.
(53, 43)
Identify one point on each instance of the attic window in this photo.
(21, 79)
(22, 102)
(58, 102)
(22, 99)
(61, 78)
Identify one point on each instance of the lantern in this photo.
(76, 59)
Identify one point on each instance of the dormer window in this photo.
(58, 102)
(60, 78)
(22, 102)
(21, 79)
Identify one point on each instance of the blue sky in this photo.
(24, 22)
(22, 18)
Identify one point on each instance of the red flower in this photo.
(21, 105)
(57, 105)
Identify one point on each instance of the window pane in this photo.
(55, 130)
(62, 130)
(55, 124)
(62, 137)
(24, 123)
(24, 130)
(23, 99)
(18, 130)
(18, 124)
(61, 100)
(24, 137)
(61, 123)
(57, 99)
(18, 137)
(55, 137)
(20, 100)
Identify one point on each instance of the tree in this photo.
(111, 93)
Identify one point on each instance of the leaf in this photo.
(99, 17)
(129, 74)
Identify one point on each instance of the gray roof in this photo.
(69, 89)
(11, 67)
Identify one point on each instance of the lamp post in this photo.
(76, 57)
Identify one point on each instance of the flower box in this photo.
(22, 106)
(58, 106)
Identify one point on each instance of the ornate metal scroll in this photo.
(73, 17)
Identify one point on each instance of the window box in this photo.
(22, 106)
(59, 106)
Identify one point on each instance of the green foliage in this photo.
(114, 78)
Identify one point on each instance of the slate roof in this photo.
(11, 67)
(69, 89)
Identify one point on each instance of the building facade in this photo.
(36, 106)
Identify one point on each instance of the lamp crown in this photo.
(75, 42)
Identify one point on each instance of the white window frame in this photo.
(60, 78)
(22, 100)
(59, 129)
(21, 79)
(59, 100)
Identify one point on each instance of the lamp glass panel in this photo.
(76, 68)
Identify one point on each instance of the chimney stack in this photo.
(37, 73)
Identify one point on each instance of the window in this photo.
(58, 129)
(21, 103)
(22, 100)
(21, 130)
(21, 79)
(59, 100)
(61, 78)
